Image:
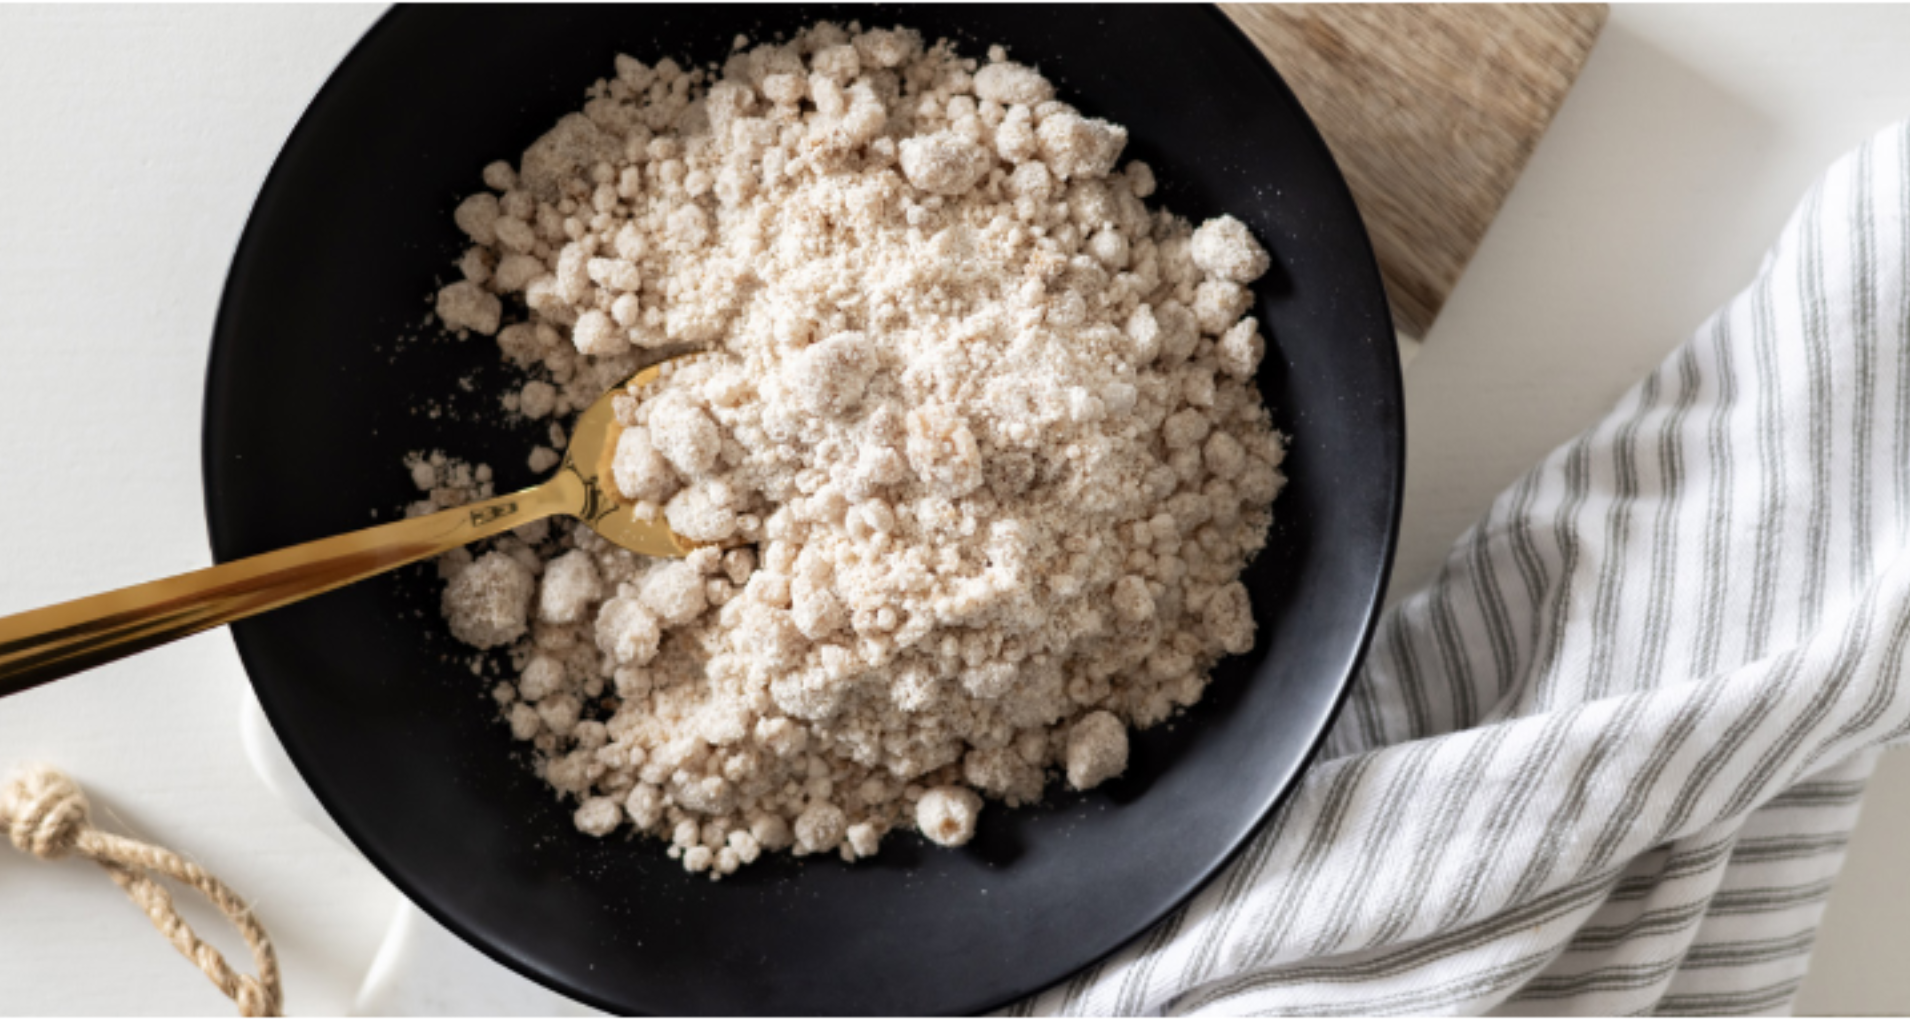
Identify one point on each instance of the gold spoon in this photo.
(42, 645)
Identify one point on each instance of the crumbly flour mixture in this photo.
(979, 435)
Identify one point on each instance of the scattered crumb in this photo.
(1097, 750)
(946, 815)
(543, 458)
(487, 603)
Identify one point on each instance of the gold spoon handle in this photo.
(45, 644)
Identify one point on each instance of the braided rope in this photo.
(44, 814)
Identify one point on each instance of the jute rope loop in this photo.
(45, 814)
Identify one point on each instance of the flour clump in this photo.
(976, 445)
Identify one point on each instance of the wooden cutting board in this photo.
(1432, 112)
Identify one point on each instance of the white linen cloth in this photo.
(1607, 762)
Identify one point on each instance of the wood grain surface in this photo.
(1432, 112)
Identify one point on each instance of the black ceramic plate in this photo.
(311, 403)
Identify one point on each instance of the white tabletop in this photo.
(135, 139)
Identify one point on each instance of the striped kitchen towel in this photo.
(1609, 760)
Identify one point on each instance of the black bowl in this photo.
(312, 398)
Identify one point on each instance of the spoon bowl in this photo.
(588, 480)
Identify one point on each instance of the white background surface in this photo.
(132, 143)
